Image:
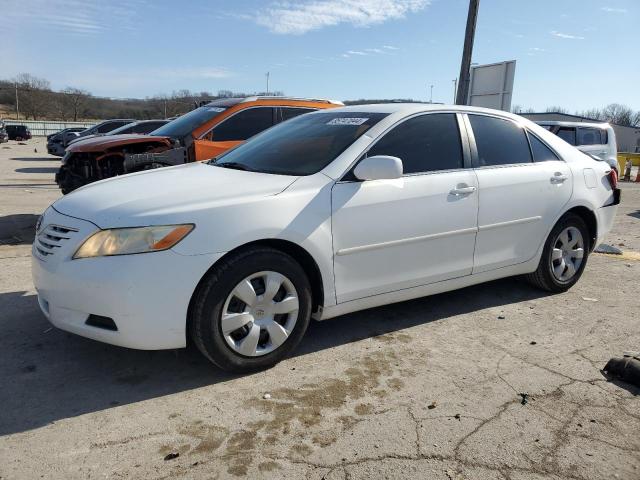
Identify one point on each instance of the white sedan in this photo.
(325, 214)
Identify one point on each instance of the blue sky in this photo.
(574, 53)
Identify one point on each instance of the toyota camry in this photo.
(319, 216)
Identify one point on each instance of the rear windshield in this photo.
(303, 145)
(187, 123)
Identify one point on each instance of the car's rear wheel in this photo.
(251, 310)
(564, 256)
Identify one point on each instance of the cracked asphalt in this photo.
(497, 381)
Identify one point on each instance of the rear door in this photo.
(519, 198)
(234, 130)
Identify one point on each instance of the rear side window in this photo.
(541, 153)
(568, 134)
(425, 143)
(499, 142)
(590, 136)
(289, 112)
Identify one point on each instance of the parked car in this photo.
(322, 215)
(200, 134)
(99, 129)
(4, 136)
(595, 139)
(55, 140)
(142, 127)
(18, 132)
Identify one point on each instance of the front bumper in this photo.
(146, 295)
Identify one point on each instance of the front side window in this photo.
(243, 125)
(425, 143)
(302, 146)
(499, 141)
(568, 134)
(541, 153)
(589, 136)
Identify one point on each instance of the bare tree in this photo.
(35, 95)
(73, 101)
(556, 109)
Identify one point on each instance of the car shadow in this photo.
(50, 375)
(635, 214)
(36, 159)
(37, 170)
(18, 229)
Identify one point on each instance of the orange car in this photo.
(201, 134)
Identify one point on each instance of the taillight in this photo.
(613, 179)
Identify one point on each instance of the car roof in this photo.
(573, 124)
(230, 102)
(411, 108)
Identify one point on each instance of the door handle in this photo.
(558, 178)
(460, 191)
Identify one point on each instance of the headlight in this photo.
(125, 241)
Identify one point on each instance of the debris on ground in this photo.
(266, 396)
(608, 249)
(533, 342)
(626, 369)
(501, 317)
(457, 416)
(432, 406)
(525, 398)
(171, 456)
(589, 299)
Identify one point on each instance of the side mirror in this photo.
(379, 167)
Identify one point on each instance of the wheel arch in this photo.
(590, 219)
(298, 253)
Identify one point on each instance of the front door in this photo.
(233, 131)
(394, 234)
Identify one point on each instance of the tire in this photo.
(216, 296)
(546, 276)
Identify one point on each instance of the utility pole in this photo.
(267, 74)
(455, 88)
(470, 32)
(431, 95)
(17, 107)
(165, 108)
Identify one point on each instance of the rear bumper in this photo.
(606, 215)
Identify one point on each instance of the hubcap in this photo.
(567, 254)
(259, 314)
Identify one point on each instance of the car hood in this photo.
(168, 195)
(101, 143)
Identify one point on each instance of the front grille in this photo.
(52, 238)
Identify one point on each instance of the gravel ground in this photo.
(497, 381)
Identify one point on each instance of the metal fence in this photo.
(43, 128)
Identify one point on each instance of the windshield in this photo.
(303, 145)
(184, 125)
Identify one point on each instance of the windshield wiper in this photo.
(234, 165)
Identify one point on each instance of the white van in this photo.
(595, 139)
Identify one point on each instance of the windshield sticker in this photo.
(215, 109)
(347, 121)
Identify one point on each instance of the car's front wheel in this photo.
(564, 256)
(251, 310)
